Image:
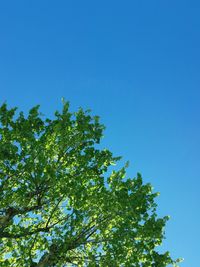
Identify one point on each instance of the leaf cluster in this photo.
(58, 207)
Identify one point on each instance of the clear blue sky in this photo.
(136, 64)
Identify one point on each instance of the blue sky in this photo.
(136, 64)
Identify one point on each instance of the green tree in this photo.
(58, 204)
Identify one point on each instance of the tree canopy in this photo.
(61, 205)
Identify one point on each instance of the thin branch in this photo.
(12, 211)
(5, 234)
(31, 247)
(53, 210)
(27, 232)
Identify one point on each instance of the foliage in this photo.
(58, 207)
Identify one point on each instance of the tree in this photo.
(58, 204)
